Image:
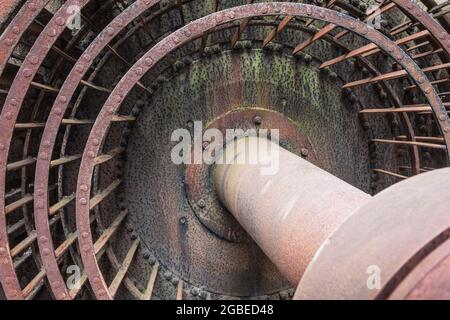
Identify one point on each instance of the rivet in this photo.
(138, 71)
(194, 291)
(85, 235)
(95, 142)
(43, 240)
(63, 99)
(176, 40)
(231, 15)
(148, 61)
(46, 252)
(202, 203)
(83, 201)
(186, 33)
(110, 31)
(80, 68)
(32, 6)
(84, 188)
(2, 251)
(257, 120)
(13, 102)
(304, 152)
(146, 255)
(86, 248)
(91, 154)
(43, 156)
(218, 19)
(8, 115)
(168, 275)
(58, 111)
(119, 23)
(34, 59)
(27, 73)
(2, 147)
(52, 32)
(16, 30)
(60, 21)
(9, 42)
(203, 294)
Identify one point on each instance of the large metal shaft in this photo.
(290, 211)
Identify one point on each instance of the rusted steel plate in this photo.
(182, 36)
(371, 254)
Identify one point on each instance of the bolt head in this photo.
(366, 125)
(304, 152)
(202, 203)
(257, 120)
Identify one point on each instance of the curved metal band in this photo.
(175, 40)
(12, 34)
(431, 24)
(41, 207)
(8, 118)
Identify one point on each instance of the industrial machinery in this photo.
(92, 205)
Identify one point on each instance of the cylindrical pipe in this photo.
(396, 246)
(287, 205)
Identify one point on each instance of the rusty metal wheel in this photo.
(90, 92)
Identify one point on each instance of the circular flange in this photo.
(199, 186)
